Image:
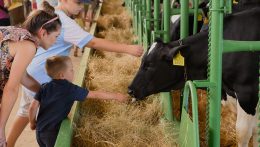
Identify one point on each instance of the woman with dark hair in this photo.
(17, 49)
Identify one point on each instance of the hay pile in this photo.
(111, 7)
(112, 123)
(122, 21)
(228, 121)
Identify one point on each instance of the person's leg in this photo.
(18, 126)
(39, 139)
(49, 138)
(22, 119)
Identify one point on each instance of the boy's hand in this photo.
(135, 50)
(121, 97)
(33, 126)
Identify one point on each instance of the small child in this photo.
(56, 98)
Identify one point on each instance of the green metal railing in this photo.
(217, 46)
(190, 131)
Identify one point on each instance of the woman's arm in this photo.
(105, 45)
(30, 83)
(32, 113)
(25, 51)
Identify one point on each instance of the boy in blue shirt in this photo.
(56, 98)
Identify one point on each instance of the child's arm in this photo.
(107, 96)
(32, 113)
(105, 45)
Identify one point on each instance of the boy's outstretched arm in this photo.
(107, 96)
(105, 45)
(32, 113)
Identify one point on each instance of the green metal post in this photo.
(156, 16)
(216, 48)
(166, 101)
(184, 18)
(139, 22)
(148, 21)
(132, 8)
(143, 20)
(238, 46)
(135, 18)
(178, 11)
(195, 21)
(166, 19)
(190, 90)
(166, 97)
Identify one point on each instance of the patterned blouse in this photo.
(7, 34)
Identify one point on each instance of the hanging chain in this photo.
(209, 62)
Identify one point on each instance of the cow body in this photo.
(239, 69)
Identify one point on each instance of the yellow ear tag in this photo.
(199, 17)
(235, 2)
(178, 60)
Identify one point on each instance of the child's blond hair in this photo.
(56, 64)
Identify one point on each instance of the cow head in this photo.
(157, 72)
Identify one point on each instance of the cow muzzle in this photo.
(131, 92)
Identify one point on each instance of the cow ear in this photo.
(173, 51)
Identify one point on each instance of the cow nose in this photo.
(130, 92)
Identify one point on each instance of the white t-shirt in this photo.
(71, 34)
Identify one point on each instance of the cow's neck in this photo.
(196, 56)
(243, 2)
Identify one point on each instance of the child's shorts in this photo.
(26, 99)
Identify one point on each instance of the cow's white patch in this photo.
(245, 126)
(174, 18)
(152, 47)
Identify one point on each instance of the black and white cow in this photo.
(239, 75)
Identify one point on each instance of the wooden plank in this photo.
(65, 135)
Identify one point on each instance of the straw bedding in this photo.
(228, 119)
